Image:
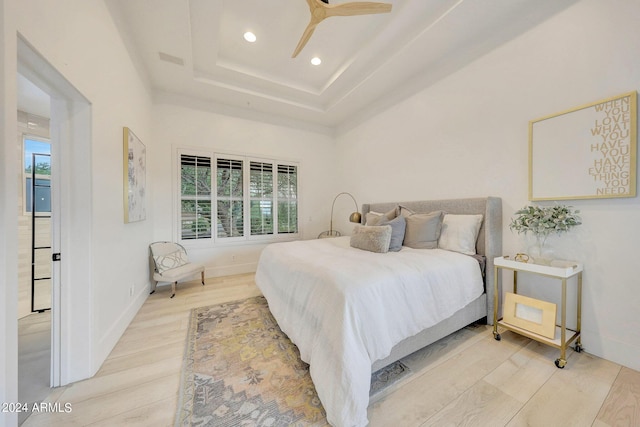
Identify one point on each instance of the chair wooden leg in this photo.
(173, 289)
(155, 284)
(202, 276)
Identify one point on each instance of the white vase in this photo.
(541, 252)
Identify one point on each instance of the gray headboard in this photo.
(489, 241)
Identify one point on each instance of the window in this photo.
(252, 199)
(37, 164)
(230, 198)
(261, 198)
(287, 199)
(195, 197)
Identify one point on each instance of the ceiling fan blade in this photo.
(320, 10)
(305, 37)
(357, 8)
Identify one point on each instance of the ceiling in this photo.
(193, 51)
(32, 99)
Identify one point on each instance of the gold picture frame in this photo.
(587, 152)
(531, 314)
(134, 177)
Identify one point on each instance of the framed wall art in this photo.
(585, 153)
(135, 171)
(531, 314)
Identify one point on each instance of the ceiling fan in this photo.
(321, 9)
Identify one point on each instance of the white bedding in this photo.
(346, 308)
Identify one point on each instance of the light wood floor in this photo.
(465, 379)
(34, 359)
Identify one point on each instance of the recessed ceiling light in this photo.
(316, 61)
(250, 37)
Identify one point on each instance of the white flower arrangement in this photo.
(544, 220)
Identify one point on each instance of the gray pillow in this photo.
(371, 238)
(398, 226)
(423, 229)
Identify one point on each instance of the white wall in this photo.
(467, 135)
(79, 39)
(9, 166)
(195, 127)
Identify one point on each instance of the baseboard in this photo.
(613, 350)
(230, 270)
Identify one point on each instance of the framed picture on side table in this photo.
(530, 314)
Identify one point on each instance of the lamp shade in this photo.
(355, 217)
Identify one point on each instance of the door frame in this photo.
(71, 218)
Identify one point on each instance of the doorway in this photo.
(34, 246)
(70, 135)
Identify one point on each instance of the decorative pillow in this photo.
(371, 238)
(374, 218)
(423, 229)
(398, 227)
(170, 261)
(459, 233)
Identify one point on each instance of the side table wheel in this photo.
(561, 363)
(578, 348)
(496, 336)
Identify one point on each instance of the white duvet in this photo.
(346, 308)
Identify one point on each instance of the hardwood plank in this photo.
(622, 406)
(433, 355)
(141, 358)
(526, 371)
(480, 405)
(572, 396)
(122, 381)
(124, 348)
(105, 407)
(160, 413)
(429, 392)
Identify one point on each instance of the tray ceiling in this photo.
(193, 51)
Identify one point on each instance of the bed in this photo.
(351, 312)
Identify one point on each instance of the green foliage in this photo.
(202, 225)
(42, 168)
(195, 180)
(544, 220)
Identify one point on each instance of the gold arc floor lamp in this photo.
(354, 217)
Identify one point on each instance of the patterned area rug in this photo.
(240, 369)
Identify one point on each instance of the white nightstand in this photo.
(562, 270)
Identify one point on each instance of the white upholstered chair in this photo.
(170, 263)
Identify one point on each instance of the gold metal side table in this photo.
(562, 270)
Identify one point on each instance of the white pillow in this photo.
(459, 233)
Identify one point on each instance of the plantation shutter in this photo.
(230, 198)
(287, 199)
(195, 197)
(261, 198)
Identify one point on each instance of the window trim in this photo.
(247, 238)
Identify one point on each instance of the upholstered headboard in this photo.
(489, 241)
